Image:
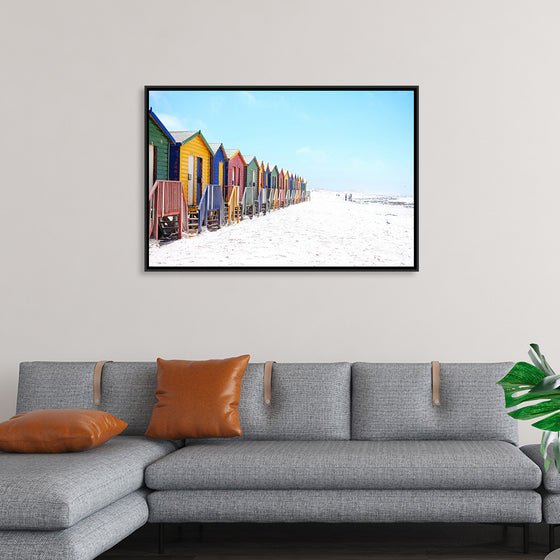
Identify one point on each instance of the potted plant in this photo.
(526, 383)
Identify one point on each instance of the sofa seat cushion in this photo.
(290, 465)
(55, 491)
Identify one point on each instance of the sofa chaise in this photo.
(550, 491)
(339, 442)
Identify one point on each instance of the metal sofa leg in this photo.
(161, 538)
(551, 528)
(525, 538)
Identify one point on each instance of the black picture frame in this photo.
(149, 175)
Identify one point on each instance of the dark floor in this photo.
(330, 542)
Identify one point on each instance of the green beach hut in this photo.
(249, 200)
(159, 140)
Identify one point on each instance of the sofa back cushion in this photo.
(394, 402)
(127, 389)
(44, 385)
(309, 402)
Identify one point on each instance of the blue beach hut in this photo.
(219, 164)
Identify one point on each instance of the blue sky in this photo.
(337, 140)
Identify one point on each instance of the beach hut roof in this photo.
(249, 159)
(273, 167)
(232, 153)
(160, 125)
(214, 147)
(184, 136)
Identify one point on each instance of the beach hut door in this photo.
(190, 198)
(198, 179)
(221, 173)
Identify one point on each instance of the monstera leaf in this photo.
(526, 383)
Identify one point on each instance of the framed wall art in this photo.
(308, 178)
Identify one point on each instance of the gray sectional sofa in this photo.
(340, 442)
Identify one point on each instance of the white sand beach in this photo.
(371, 230)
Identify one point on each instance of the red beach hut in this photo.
(236, 171)
(281, 189)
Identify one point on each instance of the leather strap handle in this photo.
(97, 371)
(435, 384)
(268, 383)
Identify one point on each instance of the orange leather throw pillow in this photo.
(197, 399)
(58, 431)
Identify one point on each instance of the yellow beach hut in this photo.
(193, 156)
(262, 167)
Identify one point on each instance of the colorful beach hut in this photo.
(282, 189)
(270, 200)
(165, 198)
(249, 198)
(262, 186)
(236, 184)
(252, 170)
(268, 178)
(159, 141)
(219, 165)
(230, 175)
(236, 170)
(262, 175)
(273, 178)
(262, 190)
(190, 163)
(290, 188)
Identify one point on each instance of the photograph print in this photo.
(281, 178)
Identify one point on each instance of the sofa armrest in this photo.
(551, 479)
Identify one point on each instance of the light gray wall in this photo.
(72, 285)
